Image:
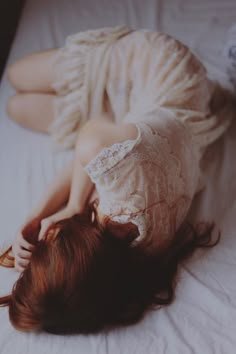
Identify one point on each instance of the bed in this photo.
(202, 319)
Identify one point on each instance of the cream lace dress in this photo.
(155, 82)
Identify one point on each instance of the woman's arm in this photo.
(81, 184)
(56, 195)
(81, 188)
(71, 188)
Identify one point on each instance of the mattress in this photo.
(202, 319)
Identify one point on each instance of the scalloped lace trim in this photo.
(108, 157)
(139, 220)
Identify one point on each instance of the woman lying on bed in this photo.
(105, 242)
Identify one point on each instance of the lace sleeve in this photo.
(108, 157)
(150, 183)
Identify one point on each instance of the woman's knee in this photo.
(13, 75)
(16, 108)
(13, 106)
(34, 72)
(20, 76)
(33, 111)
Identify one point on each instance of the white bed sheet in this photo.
(202, 320)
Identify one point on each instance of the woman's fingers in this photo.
(25, 244)
(22, 251)
(20, 241)
(65, 213)
(19, 269)
(45, 224)
(21, 264)
(24, 254)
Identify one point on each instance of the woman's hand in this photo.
(22, 251)
(24, 243)
(46, 223)
(33, 231)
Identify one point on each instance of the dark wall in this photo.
(9, 15)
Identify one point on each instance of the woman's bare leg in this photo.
(34, 72)
(32, 110)
(32, 77)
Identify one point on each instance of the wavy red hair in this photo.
(84, 276)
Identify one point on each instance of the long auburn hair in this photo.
(84, 276)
